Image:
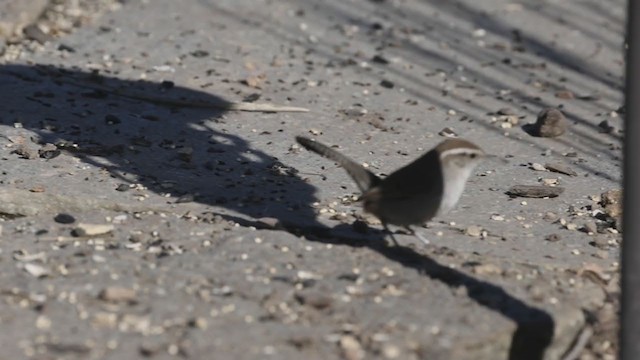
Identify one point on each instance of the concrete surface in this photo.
(229, 241)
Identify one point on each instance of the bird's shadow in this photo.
(535, 327)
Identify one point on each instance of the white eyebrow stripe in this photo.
(460, 151)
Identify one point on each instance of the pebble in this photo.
(553, 238)
(551, 122)
(118, 294)
(25, 152)
(448, 132)
(487, 269)
(506, 111)
(63, 218)
(538, 167)
(48, 151)
(571, 226)
(316, 299)
(535, 191)
(590, 228)
(351, 348)
(565, 94)
(84, 229)
(600, 242)
(606, 128)
(387, 84)
(391, 351)
(473, 230)
(550, 216)
(36, 270)
(560, 168)
(479, 33)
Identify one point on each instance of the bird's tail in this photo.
(364, 178)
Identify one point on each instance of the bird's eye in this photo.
(473, 156)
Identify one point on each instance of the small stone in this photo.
(84, 229)
(590, 228)
(199, 323)
(565, 94)
(497, 217)
(600, 242)
(48, 151)
(25, 152)
(535, 191)
(105, 320)
(34, 32)
(36, 270)
(552, 238)
(269, 222)
(510, 119)
(479, 33)
(253, 81)
(473, 230)
(186, 198)
(611, 197)
(612, 203)
(123, 187)
(379, 59)
(448, 132)
(550, 216)
(118, 294)
(560, 168)
(606, 128)
(111, 119)
(506, 112)
(549, 182)
(316, 299)
(538, 167)
(387, 84)
(63, 218)
(351, 348)
(487, 269)
(185, 154)
(391, 351)
(551, 122)
(43, 322)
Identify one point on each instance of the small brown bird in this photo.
(412, 195)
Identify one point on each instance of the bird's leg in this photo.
(418, 235)
(386, 228)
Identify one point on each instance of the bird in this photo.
(429, 186)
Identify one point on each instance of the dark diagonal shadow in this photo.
(535, 327)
